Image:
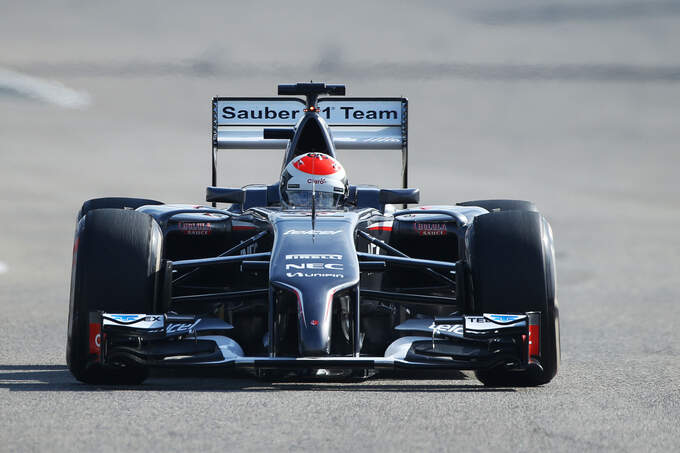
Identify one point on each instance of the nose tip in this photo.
(314, 341)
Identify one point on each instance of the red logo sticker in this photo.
(95, 338)
(431, 229)
(195, 228)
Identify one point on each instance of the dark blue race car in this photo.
(311, 275)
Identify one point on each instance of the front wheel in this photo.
(116, 266)
(502, 205)
(114, 203)
(512, 263)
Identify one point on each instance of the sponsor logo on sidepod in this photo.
(431, 229)
(195, 228)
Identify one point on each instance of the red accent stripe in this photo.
(534, 341)
(380, 228)
(300, 309)
(328, 304)
(242, 227)
(95, 338)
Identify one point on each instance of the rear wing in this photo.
(354, 123)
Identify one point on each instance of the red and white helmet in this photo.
(314, 174)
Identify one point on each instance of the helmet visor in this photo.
(324, 200)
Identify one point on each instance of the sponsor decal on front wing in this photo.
(138, 321)
(487, 322)
(152, 323)
(182, 328)
(504, 319)
(124, 318)
(448, 328)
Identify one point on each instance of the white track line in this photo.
(3, 267)
(42, 89)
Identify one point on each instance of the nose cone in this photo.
(315, 264)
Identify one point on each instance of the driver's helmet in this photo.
(313, 173)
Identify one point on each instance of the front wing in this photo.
(459, 342)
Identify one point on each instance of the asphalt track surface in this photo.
(572, 105)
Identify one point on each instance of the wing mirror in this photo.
(224, 195)
(399, 196)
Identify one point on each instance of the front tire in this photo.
(512, 263)
(114, 203)
(116, 267)
(502, 205)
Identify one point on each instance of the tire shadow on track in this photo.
(57, 378)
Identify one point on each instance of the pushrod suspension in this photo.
(389, 248)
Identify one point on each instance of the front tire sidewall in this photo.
(511, 257)
(116, 266)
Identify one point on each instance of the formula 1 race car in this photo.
(312, 276)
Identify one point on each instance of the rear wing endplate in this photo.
(354, 123)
